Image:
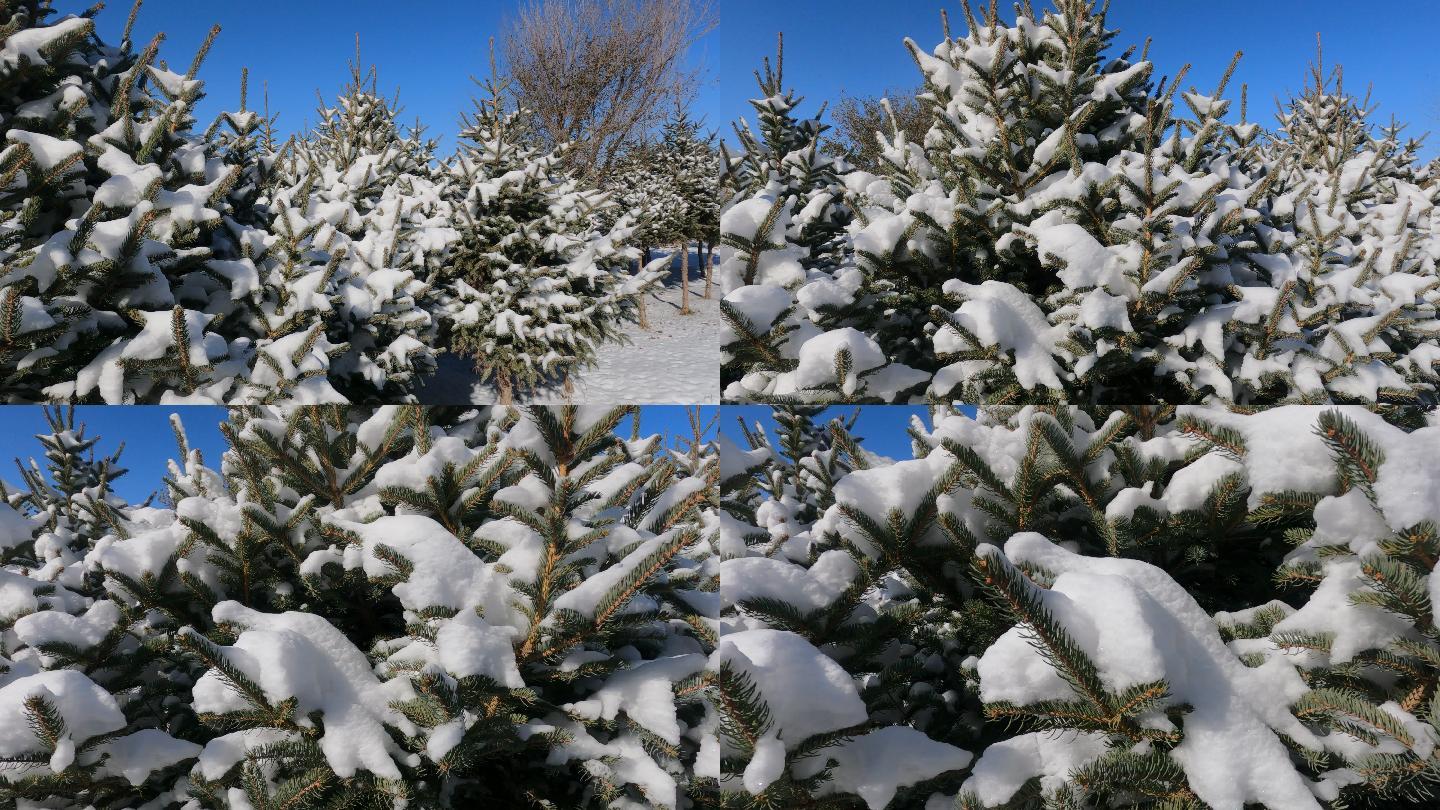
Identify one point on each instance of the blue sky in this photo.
(429, 49)
(150, 444)
(881, 429)
(855, 46)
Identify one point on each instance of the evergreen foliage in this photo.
(1155, 606)
(144, 259)
(1070, 229)
(362, 607)
(538, 278)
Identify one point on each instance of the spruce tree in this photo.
(355, 210)
(364, 606)
(89, 689)
(791, 300)
(1190, 607)
(1070, 229)
(536, 281)
(110, 214)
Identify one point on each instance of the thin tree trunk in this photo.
(706, 258)
(507, 388)
(685, 278)
(644, 262)
(569, 388)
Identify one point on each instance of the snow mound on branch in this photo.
(136, 756)
(1007, 765)
(468, 645)
(806, 692)
(812, 588)
(586, 597)
(1285, 452)
(15, 528)
(1139, 625)
(224, 752)
(645, 693)
(444, 572)
(87, 709)
(302, 656)
(876, 765)
(1000, 315)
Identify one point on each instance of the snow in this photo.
(818, 359)
(1000, 315)
(1006, 765)
(874, 492)
(645, 693)
(87, 709)
(806, 692)
(767, 763)
(301, 655)
(875, 765)
(761, 304)
(585, 598)
(46, 151)
(136, 756)
(226, 751)
(1138, 625)
(810, 588)
(445, 572)
(57, 627)
(735, 461)
(1087, 263)
(15, 528)
(415, 472)
(468, 645)
(28, 44)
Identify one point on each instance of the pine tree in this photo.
(1070, 230)
(791, 300)
(355, 210)
(87, 686)
(1100, 609)
(534, 285)
(111, 211)
(364, 605)
(690, 166)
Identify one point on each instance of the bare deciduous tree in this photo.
(598, 73)
(858, 118)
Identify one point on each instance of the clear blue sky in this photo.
(427, 48)
(855, 46)
(150, 444)
(880, 428)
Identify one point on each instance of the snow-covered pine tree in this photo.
(355, 209)
(791, 301)
(537, 279)
(438, 606)
(1069, 230)
(1163, 648)
(529, 587)
(89, 691)
(111, 207)
(1354, 318)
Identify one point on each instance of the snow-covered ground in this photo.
(675, 361)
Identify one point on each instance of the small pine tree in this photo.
(534, 286)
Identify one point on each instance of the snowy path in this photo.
(676, 361)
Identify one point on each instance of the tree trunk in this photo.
(507, 388)
(685, 278)
(707, 258)
(569, 387)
